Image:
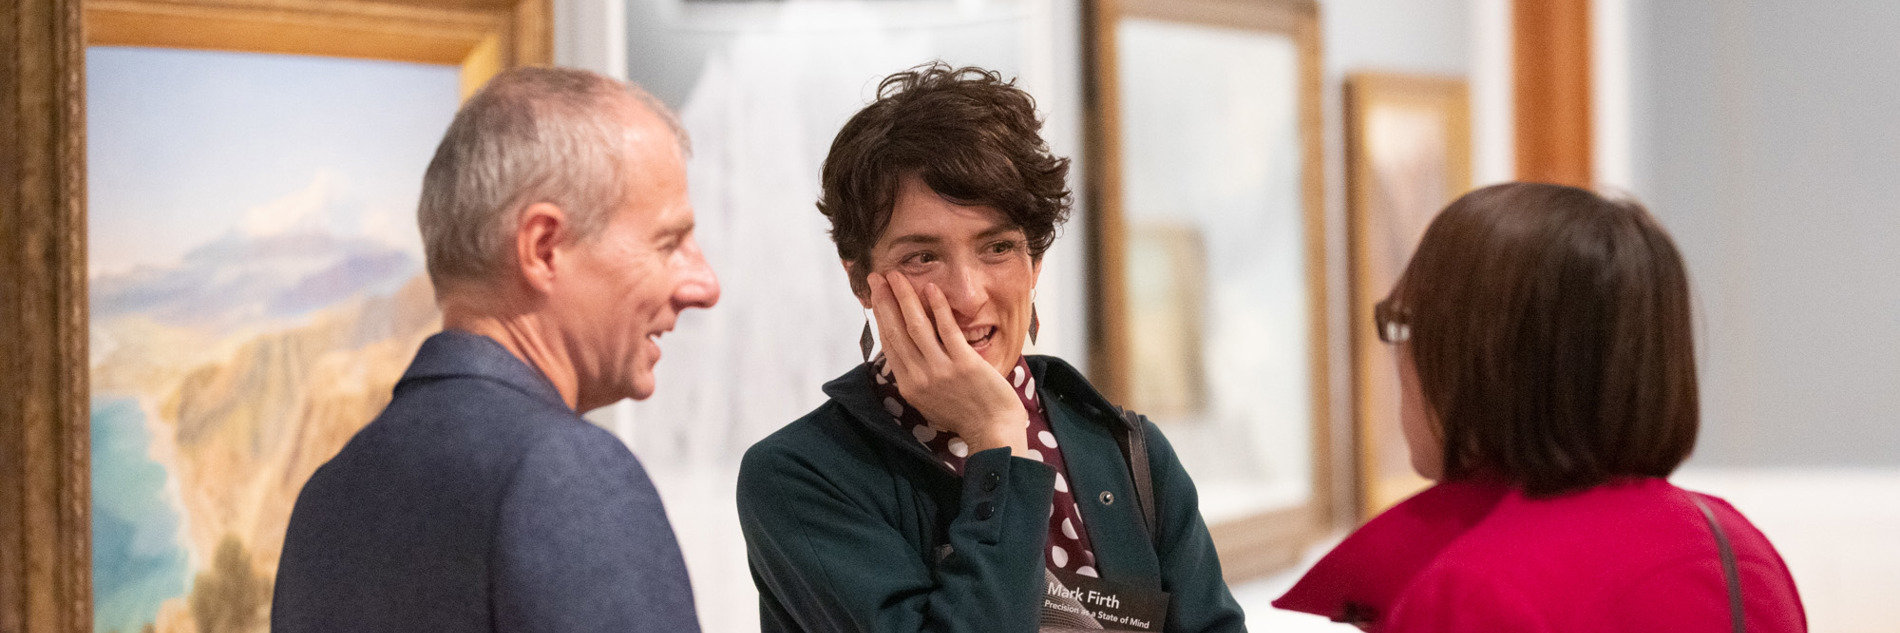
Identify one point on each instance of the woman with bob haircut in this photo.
(953, 483)
(1547, 379)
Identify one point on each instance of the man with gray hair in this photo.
(559, 238)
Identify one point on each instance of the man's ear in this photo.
(541, 227)
(859, 286)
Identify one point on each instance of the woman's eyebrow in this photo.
(916, 238)
(999, 230)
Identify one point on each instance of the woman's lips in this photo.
(979, 338)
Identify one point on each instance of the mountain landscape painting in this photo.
(256, 288)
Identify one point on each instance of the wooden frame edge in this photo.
(45, 496)
(483, 41)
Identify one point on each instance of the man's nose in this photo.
(698, 285)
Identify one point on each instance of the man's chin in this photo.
(643, 387)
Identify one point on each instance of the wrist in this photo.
(1005, 433)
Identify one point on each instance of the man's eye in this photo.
(1002, 247)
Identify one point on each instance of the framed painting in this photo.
(1208, 241)
(234, 284)
(1408, 153)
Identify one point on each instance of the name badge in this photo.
(1080, 603)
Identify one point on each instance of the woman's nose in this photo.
(963, 284)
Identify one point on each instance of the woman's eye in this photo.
(920, 258)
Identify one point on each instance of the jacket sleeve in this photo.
(835, 563)
(583, 544)
(1199, 600)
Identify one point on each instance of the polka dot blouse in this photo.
(1069, 548)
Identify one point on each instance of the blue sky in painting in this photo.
(188, 147)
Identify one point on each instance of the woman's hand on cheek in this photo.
(938, 373)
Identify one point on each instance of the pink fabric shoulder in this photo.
(1633, 555)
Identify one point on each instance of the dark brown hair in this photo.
(1551, 332)
(972, 137)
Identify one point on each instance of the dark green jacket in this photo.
(852, 525)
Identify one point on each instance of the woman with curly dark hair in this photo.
(952, 483)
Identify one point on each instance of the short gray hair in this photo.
(533, 134)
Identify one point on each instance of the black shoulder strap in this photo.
(1729, 571)
(1134, 443)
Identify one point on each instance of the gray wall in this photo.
(1431, 36)
(1767, 139)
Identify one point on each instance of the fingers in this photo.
(899, 351)
(917, 322)
(953, 343)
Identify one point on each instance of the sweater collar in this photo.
(1360, 579)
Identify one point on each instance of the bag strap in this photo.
(1134, 443)
(1730, 573)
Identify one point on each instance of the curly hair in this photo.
(970, 135)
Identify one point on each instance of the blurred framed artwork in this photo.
(244, 282)
(1208, 232)
(1408, 150)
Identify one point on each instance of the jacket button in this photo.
(1108, 498)
(991, 481)
(984, 511)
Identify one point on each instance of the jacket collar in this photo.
(1360, 579)
(854, 392)
(459, 354)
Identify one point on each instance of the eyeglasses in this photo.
(1391, 323)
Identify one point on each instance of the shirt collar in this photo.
(459, 354)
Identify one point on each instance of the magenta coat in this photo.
(1634, 555)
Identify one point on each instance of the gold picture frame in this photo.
(1408, 153)
(45, 531)
(1263, 542)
